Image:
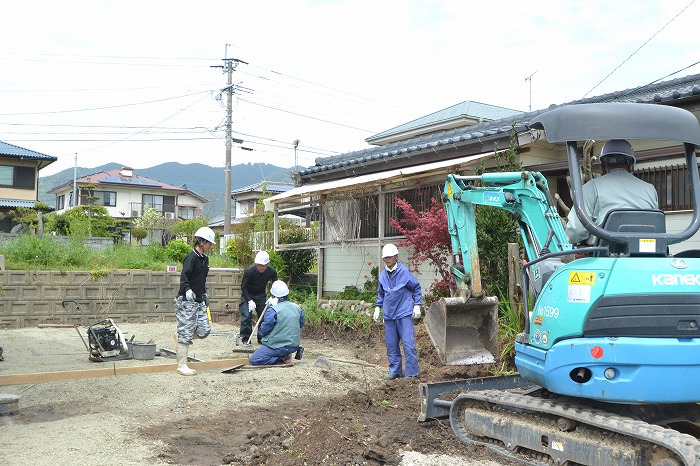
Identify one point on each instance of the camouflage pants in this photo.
(192, 320)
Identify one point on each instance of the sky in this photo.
(140, 83)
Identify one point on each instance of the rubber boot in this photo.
(181, 355)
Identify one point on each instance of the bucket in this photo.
(142, 351)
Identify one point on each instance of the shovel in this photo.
(257, 324)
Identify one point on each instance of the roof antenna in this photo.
(529, 78)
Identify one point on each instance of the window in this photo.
(154, 201)
(247, 207)
(162, 204)
(18, 177)
(104, 198)
(420, 198)
(671, 184)
(60, 202)
(186, 213)
(6, 175)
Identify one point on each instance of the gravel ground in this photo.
(165, 418)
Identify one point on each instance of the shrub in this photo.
(240, 249)
(177, 250)
(156, 252)
(138, 234)
(300, 261)
(277, 263)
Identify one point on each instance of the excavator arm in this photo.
(524, 194)
(465, 328)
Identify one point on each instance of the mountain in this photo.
(202, 179)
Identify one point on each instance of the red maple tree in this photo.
(426, 231)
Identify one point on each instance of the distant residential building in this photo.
(126, 195)
(19, 179)
(245, 200)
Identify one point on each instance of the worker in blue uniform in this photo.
(399, 300)
(280, 330)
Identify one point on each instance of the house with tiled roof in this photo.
(245, 199)
(126, 195)
(19, 179)
(467, 113)
(356, 192)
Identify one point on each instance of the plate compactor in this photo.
(105, 341)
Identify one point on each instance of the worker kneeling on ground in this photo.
(280, 329)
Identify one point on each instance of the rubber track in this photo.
(685, 446)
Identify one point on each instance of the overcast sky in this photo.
(133, 82)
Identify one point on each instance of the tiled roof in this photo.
(270, 186)
(10, 150)
(115, 177)
(662, 92)
(466, 109)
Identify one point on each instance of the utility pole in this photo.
(75, 177)
(230, 64)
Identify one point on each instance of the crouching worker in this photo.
(280, 329)
(192, 300)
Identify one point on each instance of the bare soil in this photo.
(275, 416)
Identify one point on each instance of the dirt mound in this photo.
(369, 425)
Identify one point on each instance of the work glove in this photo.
(272, 301)
(205, 297)
(377, 311)
(416, 311)
(251, 306)
(189, 295)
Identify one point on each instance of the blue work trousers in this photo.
(266, 356)
(401, 331)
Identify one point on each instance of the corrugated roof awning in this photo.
(14, 203)
(304, 193)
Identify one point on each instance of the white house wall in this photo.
(678, 221)
(352, 266)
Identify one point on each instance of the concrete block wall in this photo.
(30, 298)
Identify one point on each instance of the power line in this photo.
(307, 116)
(104, 108)
(640, 47)
(104, 89)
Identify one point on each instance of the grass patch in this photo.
(28, 252)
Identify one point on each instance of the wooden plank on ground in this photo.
(40, 377)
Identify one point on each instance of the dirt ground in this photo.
(296, 415)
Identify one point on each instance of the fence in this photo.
(264, 240)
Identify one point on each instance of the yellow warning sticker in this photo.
(581, 278)
(449, 190)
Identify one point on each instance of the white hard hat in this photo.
(279, 289)
(206, 233)
(262, 258)
(389, 250)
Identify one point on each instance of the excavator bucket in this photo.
(464, 331)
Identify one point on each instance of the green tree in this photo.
(495, 228)
(187, 228)
(25, 216)
(297, 262)
(138, 234)
(151, 220)
(84, 221)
